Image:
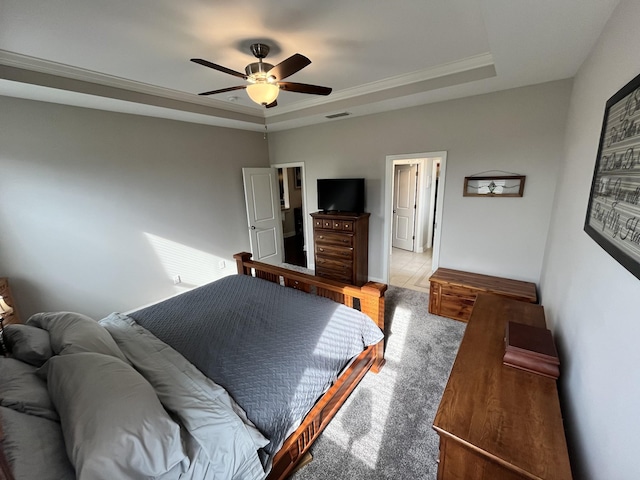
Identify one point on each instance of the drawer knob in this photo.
(321, 249)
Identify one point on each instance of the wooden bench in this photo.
(453, 292)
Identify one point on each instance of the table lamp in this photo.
(5, 310)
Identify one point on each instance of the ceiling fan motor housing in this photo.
(257, 67)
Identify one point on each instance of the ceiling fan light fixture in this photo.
(263, 93)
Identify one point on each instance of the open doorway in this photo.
(293, 212)
(413, 192)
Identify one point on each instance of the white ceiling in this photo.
(377, 55)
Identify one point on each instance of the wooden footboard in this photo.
(371, 299)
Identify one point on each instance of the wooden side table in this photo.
(453, 293)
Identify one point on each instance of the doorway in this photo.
(405, 189)
(293, 212)
(414, 187)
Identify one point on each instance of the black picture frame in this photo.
(613, 211)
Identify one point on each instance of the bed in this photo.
(269, 417)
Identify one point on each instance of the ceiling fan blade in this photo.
(273, 104)
(230, 89)
(220, 68)
(304, 88)
(288, 67)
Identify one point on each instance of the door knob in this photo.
(252, 227)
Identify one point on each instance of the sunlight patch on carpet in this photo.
(363, 439)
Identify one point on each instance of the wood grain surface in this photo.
(494, 418)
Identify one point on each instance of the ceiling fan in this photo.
(265, 80)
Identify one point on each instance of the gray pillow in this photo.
(28, 343)
(74, 333)
(204, 408)
(34, 447)
(114, 426)
(22, 390)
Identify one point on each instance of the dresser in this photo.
(453, 293)
(341, 243)
(495, 421)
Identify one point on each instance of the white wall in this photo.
(520, 130)
(100, 210)
(590, 299)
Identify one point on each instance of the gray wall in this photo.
(100, 210)
(590, 299)
(520, 130)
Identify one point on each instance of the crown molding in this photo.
(476, 62)
(34, 64)
(43, 73)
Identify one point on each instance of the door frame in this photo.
(305, 213)
(391, 161)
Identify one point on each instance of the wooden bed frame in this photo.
(371, 298)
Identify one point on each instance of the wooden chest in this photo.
(453, 293)
(341, 246)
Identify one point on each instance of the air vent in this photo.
(338, 115)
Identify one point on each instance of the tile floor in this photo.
(410, 270)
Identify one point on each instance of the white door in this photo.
(263, 214)
(404, 206)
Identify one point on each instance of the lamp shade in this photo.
(263, 93)
(4, 308)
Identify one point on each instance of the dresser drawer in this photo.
(342, 225)
(334, 275)
(331, 238)
(344, 253)
(335, 264)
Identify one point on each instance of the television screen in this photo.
(341, 195)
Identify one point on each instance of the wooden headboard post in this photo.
(373, 305)
(371, 294)
(241, 258)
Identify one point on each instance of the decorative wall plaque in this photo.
(494, 186)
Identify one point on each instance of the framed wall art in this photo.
(493, 186)
(613, 211)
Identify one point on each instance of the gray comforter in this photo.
(274, 349)
(108, 383)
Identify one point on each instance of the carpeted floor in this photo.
(384, 430)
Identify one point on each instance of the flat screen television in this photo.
(341, 195)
